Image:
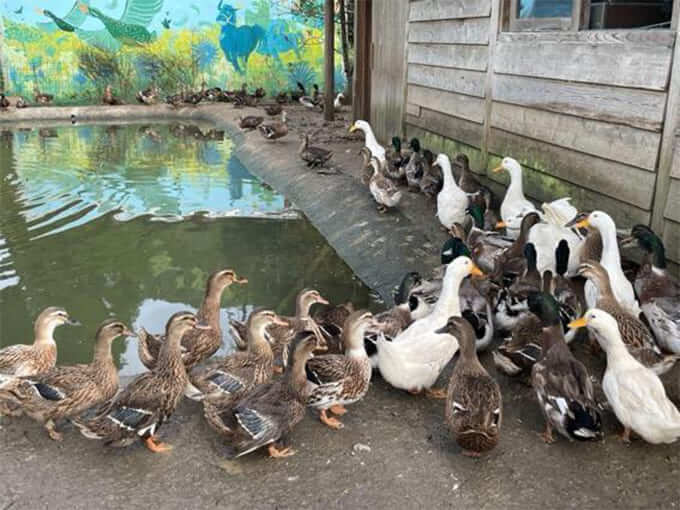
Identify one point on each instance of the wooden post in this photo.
(329, 60)
(361, 93)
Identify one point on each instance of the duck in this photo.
(273, 109)
(452, 202)
(415, 167)
(611, 261)
(200, 343)
(511, 262)
(395, 160)
(376, 150)
(108, 97)
(275, 130)
(21, 103)
(175, 100)
(337, 102)
(467, 181)
(331, 319)
(260, 92)
(337, 380)
(634, 333)
(280, 336)
(147, 96)
(249, 122)
(42, 98)
(432, 181)
(416, 357)
(282, 98)
(634, 392)
(515, 205)
(658, 291)
(313, 156)
(308, 102)
(474, 405)
(518, 353)
(485, 245)
(267, 415)
(562, 384)
(299, 92)
(150, 399)
(384, 191)
(228, 378)
(67, 391)
(26, 360)
(562, 289)
(4, 102)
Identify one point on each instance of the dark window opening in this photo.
(643, 14)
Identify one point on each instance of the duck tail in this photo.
(583, 423)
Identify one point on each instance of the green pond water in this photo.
(128, 221)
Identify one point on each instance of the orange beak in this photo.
(578, 323)
(501, 224)
(498, 169)
(583, 224)
(475, 271)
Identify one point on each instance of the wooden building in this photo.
(590, 112)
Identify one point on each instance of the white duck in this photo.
(416, 357)
(377, 150)
(547, 235)
(452, 202)
(515, 205)
(337, 102)
(611, 261)
(634, 392)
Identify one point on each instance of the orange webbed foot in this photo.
(329, 421)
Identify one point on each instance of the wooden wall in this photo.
(584, 112)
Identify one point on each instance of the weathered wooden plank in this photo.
(673, 201)
(440, 144)
(461, 56)
(632, 107)
(638, 59)
(427, 10)
(628, 145)
(544, 188)
(604, 176)
(413, 109)
(452, 80)
(468, 31)
(455, 128)
(671, 240)
(458, 105)
(675, 165)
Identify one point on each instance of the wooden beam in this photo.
(457, 31)
(329, 59)
(663, 173)
(470, 83)
(361, 93)
(428, 10)
(494, 29)
(460, 56)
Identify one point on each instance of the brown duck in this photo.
(635, 335)
(199, 344)
(150, 399)
(275, 130)
(340, 379)
(267, 415)
(474, 406)
(273, 109)
(108, 97)
(67, 391)
(227, 379)
(42, 98)
(313, 156)
(40, 356)
(250, 122)
(280, 336)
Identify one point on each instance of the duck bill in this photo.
(241, 281)
(279, 321)
(128, 332)
(584, 223)
(628, 242)
(498, 169)
(442, 331)
(475, 271)
(73, 322)
(578, 323)
(501, 224)
(202, 326)
(353, 128)
(323, 301)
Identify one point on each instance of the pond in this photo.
(128, 221)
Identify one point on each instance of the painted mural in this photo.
(73, 50)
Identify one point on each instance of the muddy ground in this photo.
(394, 450)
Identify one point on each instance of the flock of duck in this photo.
(514, 275)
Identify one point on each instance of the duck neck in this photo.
(370, 137)
(353, 338)
(611, 257)
(552, 336)
(515, 189)
(302, 307)
(468, 355)
(604, 287)
(296, 378)
(103, 358)
(210, 307)
(44, 334)
(448, 303)
(449, 181)
(258, 343)
(170, 355)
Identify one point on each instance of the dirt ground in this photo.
(394, 450)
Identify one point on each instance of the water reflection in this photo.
(62, 241)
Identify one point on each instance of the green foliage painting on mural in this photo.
(74, 49)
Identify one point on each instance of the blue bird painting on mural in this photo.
(237, 42)
(278, 39)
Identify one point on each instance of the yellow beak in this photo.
(583, 224)
(353, 128)
(578, 323)
(501, 224)
(475, 271)
(497, 169)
